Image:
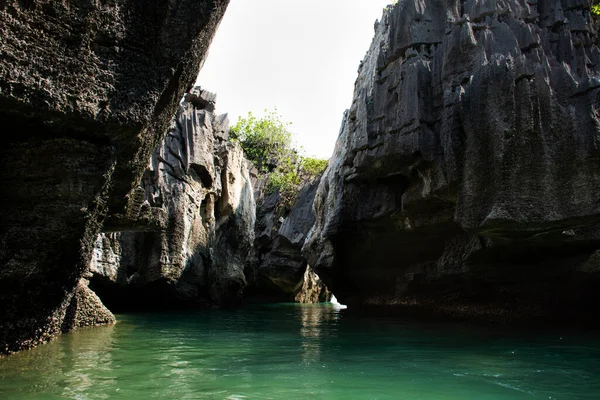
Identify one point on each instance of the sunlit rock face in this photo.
(280, 270)
(465, 178)
(87, 90)
(313, 289)
(198, 183)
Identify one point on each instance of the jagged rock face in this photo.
(313, 289)
(88, 88)
(466, 171)
(198, 182)
(85, 309)
(281, 267)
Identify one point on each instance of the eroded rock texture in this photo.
(281, 269)
(87, 89)
(197, 186)
(313, 289)
(466, 176)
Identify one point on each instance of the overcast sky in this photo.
(300, 56)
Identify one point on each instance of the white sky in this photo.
(300, 56)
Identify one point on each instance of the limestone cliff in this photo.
(466, 178)
(189, 239)
(281, 271)
(198, 185)
(87, 90)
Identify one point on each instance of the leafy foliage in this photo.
(596, 9)
(313, 167)
(264, 140)
(267, 142)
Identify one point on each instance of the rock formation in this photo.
(313, 289)
(87, 89)
(466, 179)
(190, 242)
(198, 184)
(281, 269)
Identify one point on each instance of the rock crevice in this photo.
(280, 271)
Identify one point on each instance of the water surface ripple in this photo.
(304, 352)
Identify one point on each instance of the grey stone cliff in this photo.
(281, 268)
(198, 185)
(87, 90)
(465, 179)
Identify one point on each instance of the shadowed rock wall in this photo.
(281, 270)
(466, 175)
(87, 89)
(197, 191)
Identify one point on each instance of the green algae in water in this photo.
(303, 352)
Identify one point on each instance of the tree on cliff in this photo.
(267, 142)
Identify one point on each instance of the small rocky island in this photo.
(465, 181)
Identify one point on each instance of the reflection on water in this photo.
(314, 320)
(302, 351)
(76, 358)
(90, 354)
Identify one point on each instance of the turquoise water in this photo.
(304, 352)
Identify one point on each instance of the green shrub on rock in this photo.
(267, 142)
(313, 167)
(264, 140)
